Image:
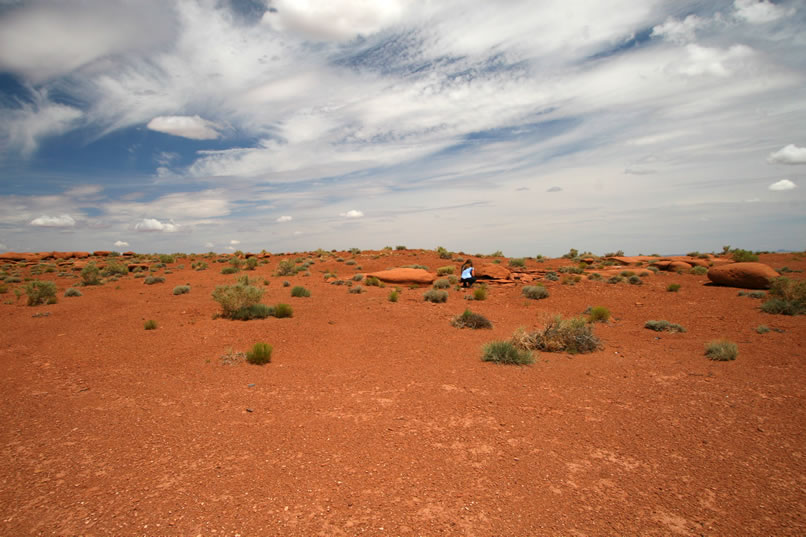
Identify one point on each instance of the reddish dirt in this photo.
(379, 418)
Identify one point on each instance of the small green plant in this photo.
(112, 269)
(394, 295)
(599, 314)
(626, 273)
(230, 270)
(251, 263)
(253, 311)
(442, 283)
(788, 297)
(663, 326)
(721, 350)
(286, 283)
(435, 295)
(698, 270)
(300, 292)
(595, 276)
(72, 292)
(91, 274)
(400, 247)
(535, 292)
(762, 329)
(199, 265)
(673, 287)
(443, 253)
(615, 279)
(285, 267)
(283, 311)
(181, 289)
(151, 324)
(753, 294)
(259, 354)
(236, 297)
(423, 267)
(358, 277)
(165, 258)
(572, 335)
(552, 276)
(505, 352)
(443, 271)
(743, 256)
(517, 262)
(634, 280)
(357, 290)
(480, 293)
(40, 292)
(372, 281)
(151, 280)
(468, 319)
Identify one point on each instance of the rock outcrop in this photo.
(405, 275)
(492, 271)
(743, 275)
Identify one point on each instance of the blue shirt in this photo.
(467, 273)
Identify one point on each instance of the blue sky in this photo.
(288, 125)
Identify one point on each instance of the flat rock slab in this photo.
(404, 275)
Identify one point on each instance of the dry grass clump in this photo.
(721, 350)
(535, 292)
(435, 295)
(663, 326)
(260, 353)
(505, 352)
(598, 314)
(572, 335)
(468, 319)
(788, 297)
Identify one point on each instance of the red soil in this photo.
(379, 418)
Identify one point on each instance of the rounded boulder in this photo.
(743, 275)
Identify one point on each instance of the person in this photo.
(468, 274)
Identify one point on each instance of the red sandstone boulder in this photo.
(744, 275)
(14, 256)
(405, 275)
(662, 265)
(62, 255)
(127, 254)
(101, 253)
(81, 255)
(492, 271)
(678, 265)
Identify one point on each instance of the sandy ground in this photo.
(379, 418)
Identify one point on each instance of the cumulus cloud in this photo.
(783, 184)
(791, 154)
(759, 11)
(64, 220)
(121, 244)
(192, 127)
(234, 242)
(352, 214)
(336, 20)
(153, 225)
(284, 219)
(678, 31)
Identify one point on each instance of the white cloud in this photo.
(713, 61)
(64, 220)
(337, 20)
(234, 242)
(192, 127)
(121, 244)
(284, 219)
(23, 128)
(783, 184)
(352, 214)
(759, 11)
(679, 31)
(152, 224)
(790, 154)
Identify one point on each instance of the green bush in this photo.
(468, 319)
(788, 297)
(443, 271)
(260, 353)
(572, 335)
(626, 273)
(151, 324)
(423, 267)
(599, 314)
(518, 262)
(663, 326)
(91, 274)
(698, 270)
(230, 270)
(357, 290)
(480, 293)
(721, 350)
(673, 287)
(762, 329)
(236, 297)
(358, 277)
(742, 256)
(151, 280)
(571, 270)
(253, 311)
(443, 253)
(113, 268)
(435, 295)
(251, 263)
(72, 292)
(285, 267)
(165, 258)
(181, 289)
(442, 283)
(615, 279)
(753, 294)
(535, 292)
(371, 281)
(394, 296)
(40, 292)
(504, 352)
(200, 265)
(552, 276)
(300, 292)
(282, 311)
(400, 247)
(634, 280)
(595, 276)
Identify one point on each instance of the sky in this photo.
(659, 126)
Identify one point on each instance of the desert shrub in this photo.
(91, 274)
(181, 289)
(570, 270)
(282, 311)
(372, 281)
(595, 276)
(634, 280)
(251, 263)
(285, 267)
(151, 280)
(40, 292)
(394, 295)
(741, 256)
(357, 290)
(3, 289)
(788, 297)
(259, 354)
(572, 335)
(721, 350)
(435, 295)
(151, 324)
(663, 326)
(443, 253)
(236, 297)
(626, 273)
(673, 287)
(615, 279)
(753, 294)
(350, 262)
(599, 314)
(253, 311)
(300, 292)
(339, 260)
(480, 293)
(12, 279)
(358, 277)
(518, 262)
(72, 292)
(653, 269)
(468, 319)
(286, 283)
(400, 247)
(415, 266)
(535, 292)
(165, 258)
(113, 268)
(552, 276)
(230, 270)
(572, 253)
(698, 270)
(442, 271)
(762, 329)
(442, 283)
(200, 265)
(504, 352)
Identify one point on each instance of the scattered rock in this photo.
(743, 275)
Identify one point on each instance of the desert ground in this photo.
(380, 418)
